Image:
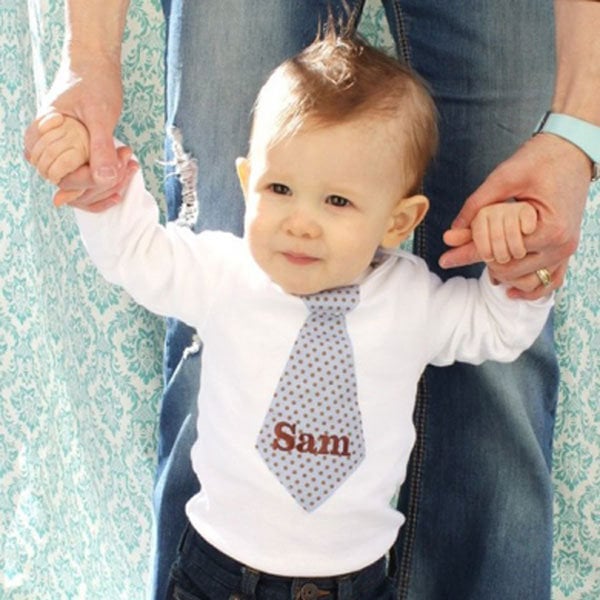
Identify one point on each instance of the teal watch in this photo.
(580, 133)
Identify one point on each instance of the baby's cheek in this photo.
(258, 241)
(356, 260)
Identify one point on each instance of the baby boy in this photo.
(315, 327)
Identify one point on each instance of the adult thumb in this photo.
(103, 155)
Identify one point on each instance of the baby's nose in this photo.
(302, 224)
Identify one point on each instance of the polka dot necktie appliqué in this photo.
(312, 437)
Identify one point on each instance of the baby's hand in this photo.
(62, 148)
(497, 231)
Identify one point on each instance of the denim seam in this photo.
(402, 41)
(420, 411)
(418, 456)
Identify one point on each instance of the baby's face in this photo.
(319, 203)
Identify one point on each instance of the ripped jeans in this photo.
(478, 492)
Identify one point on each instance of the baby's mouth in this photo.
(297, 258)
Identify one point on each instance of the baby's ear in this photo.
(242, 166)
(405, 217)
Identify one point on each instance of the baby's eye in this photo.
(280, 188)
(338, 201)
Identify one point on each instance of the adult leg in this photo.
(219, 53)
(478, 497)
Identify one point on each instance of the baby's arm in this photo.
(62, 147)
(497, 231)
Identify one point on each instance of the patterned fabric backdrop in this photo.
(80, 364)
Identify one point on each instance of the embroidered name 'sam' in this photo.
(287, 440)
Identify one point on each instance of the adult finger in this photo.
(95, 200)
(457, 237)
(62, 197)
(530, 286)
(99, 206)
(82, 178)
(460, 257)
(103, 155)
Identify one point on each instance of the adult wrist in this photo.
(78, 52)
(582, 134)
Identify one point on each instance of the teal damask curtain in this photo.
(80, 364)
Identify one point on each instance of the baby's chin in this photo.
(307, 288)
(302, 290)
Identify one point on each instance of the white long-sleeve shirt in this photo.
(406, 318)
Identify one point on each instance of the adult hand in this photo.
(554, 176)
(79, 190)
(91, 91)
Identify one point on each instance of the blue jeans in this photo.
(478, 493)
(201, 572)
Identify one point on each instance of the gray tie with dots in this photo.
(312, 437)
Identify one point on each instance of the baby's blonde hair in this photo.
(340, 78)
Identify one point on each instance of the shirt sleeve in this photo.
(472, 320)
(168, 270)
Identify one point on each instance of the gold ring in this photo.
(544, 277)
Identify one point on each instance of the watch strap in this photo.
(582, 134)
